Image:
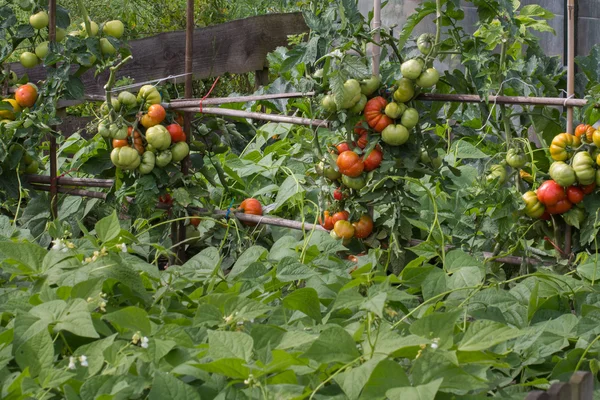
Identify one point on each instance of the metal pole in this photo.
(53, 145)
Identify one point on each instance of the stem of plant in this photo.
(111, 82)
(85, 16)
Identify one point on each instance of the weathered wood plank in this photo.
(239, 46)
(582, 385)
(560, 391)
(537, 395)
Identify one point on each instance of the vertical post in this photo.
(582, 386)
(53, 145)
(560, 391)
(5, 85)
(187, 118)
(376, 25)
(570, 90)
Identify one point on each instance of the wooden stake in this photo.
(518, 100)
(259, 116)
(53, 145)
(189, 102)
(376, 25)
(570, 92)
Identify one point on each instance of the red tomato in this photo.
(545, 216)
(374, 159)
(375, 115)
(587, 189)
(362, 141)
(327, 221)
(359, 129)
(575, 194)
(176, 132)
(550, 193)
(120, 143)
(561, 207)
(580, 130)
(342, 147)
(165, 199)
(26, 95)
(251, 206)
(350, 164)
(363, 227)
(195, 221)
(340, 216)
(338, 195)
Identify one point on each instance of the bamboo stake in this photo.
(570, 92)
(259, 116)
(518, 100)
(376, 25)
(67, 181)
(53, 145)
(190, 102)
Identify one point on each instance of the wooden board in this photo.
(234, 47)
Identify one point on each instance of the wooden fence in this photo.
(579, 387)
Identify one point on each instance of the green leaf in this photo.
(421, 392)
(333, 345)
(231, 367)
(229, 345)
(466, 277)
(289, 189)
(36, 353)
(251, 255)
(355, 67)
(95, 353)
(289, 270)
(168, 387)
(130, 318)
(413, 20)
(457, 259)
(589, 271)
(353, 381)
(305, 300)
(438, 325)
(28, 255)
(483, 334)
(387, 375)
(465, 150)
(108, 228)
(76, 319)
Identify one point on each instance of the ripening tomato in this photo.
(340, 216)
(157, 112)
(26, 95)
(363, 227)
(349, 163)
(550, 193)
(165, 199)
(344, 229)
(327, 221)
(342, 147)
(580, 130)
(195, 221)
(148, 122)
(176, 132)
(359, 129)
(561, 207)
(120, 143)
(575, 194)
(362, 141)
(251, 206)
(374, 159)
(587, 189)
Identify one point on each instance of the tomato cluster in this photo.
(573, 174)
(342, 228)
(158, 146)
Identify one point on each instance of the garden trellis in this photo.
(232, 56)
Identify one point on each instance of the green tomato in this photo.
(158, 137)
(127, 99)
(583, 165)
(428, 78)
(328, 171)
(39, 20)
(563, 174)
(147, 163)
(30, 167)
(106, 47)
(497, 173)
(395, 135)
(180, 150)
(405, 91)
(114, 28)
(354, 183)
(370, 85)
(118, 131)
(28, 59)
(149, 94)
(410, 118)
(359, 107)
(115, 103)
(163, 158)
(328, 103)
(41, 50)
(425, 43)
(61, 34)
(516, 159)
(125, 158)
(533, 207)
(394, 110)
(93, 28)
(104, 128)
(351, 94)
(411, 69)
(318, 73)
